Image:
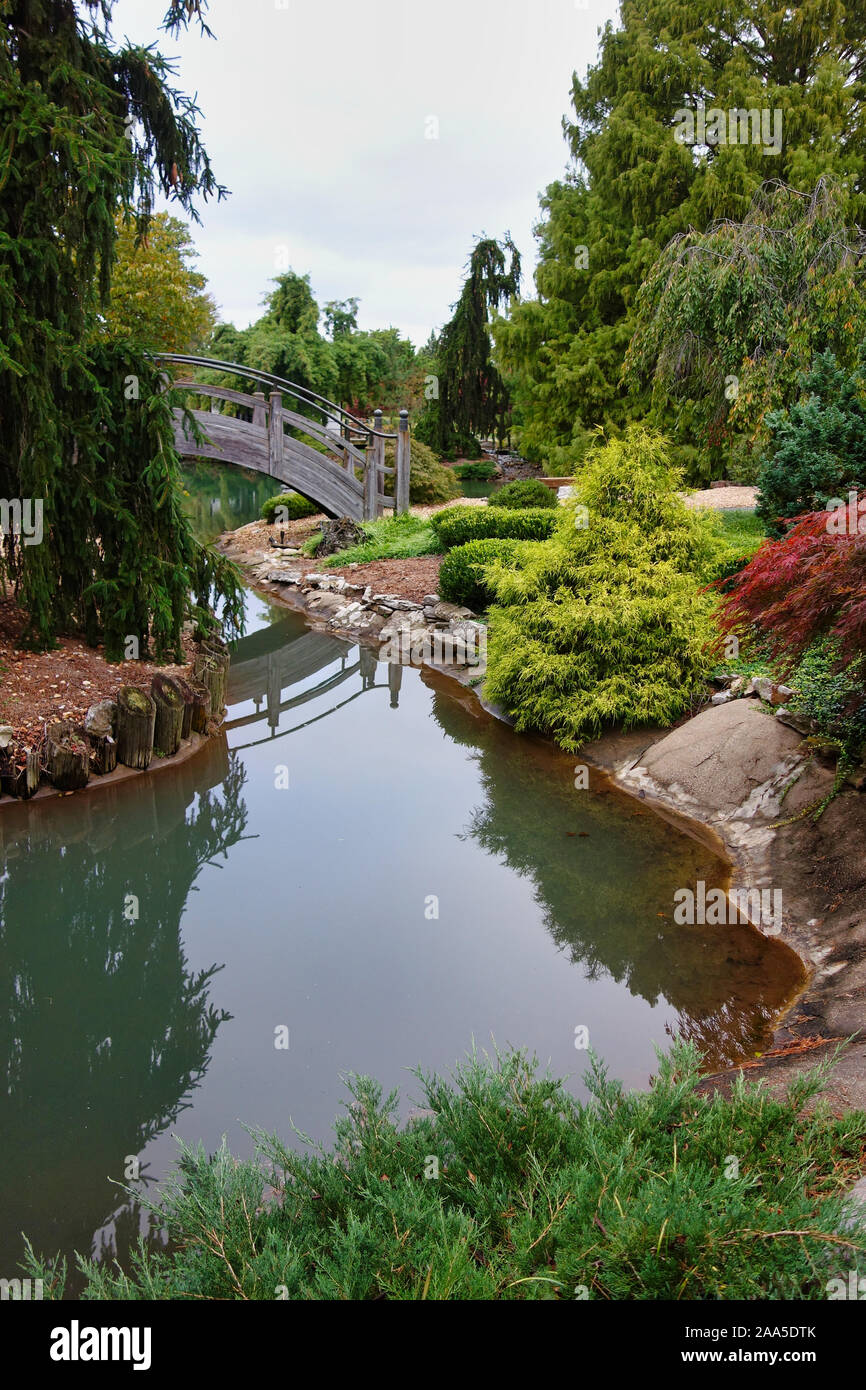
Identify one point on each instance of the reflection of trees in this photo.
(221, 497)
(104, 1029)
(605, 869)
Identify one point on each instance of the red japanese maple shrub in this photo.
(809, 585)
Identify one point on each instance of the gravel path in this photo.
(722, 498)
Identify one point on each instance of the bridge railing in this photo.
(358, 447)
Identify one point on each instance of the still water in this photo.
(366, 860)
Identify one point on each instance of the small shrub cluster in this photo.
(817, 449)
(507, 1188)
(462, 572)
(834, 696)
(295, 505)
(526, 492)
(457, 525)
(479, 471)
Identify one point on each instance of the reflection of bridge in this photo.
(319, 449)
(264, 675)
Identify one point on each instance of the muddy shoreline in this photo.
(819, 866)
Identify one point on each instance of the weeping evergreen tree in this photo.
(88, 129)
(473, 399)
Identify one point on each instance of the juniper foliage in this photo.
(509, 1188)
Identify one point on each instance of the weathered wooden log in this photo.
(211, 668)
(200, 708)
(168, 725)
(20, 770)
(188, 700)
(67, 756)
(211, 676)
(100, 723)
(136, 714)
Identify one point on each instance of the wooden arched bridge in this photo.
(306, 442)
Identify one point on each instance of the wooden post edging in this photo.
(401, 482)
(260, 412)
(275, 433)
(374, 461)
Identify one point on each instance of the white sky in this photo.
(314, 114)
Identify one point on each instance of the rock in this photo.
(736, 685)
(283, 577)
(856, 778)
(764, 688)
(430, 600)
(782, 694)
(7, 733)
(727, 759)
(721, 697)
(445, 612)
(721, 482)
(801, 722)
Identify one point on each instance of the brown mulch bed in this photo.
(39, 687)
(411, 578)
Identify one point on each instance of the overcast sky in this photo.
(317, 116)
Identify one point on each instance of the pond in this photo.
(367, 873)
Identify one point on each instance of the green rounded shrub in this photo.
(457, 525)
(429, 480)
(479, 471)
(462, 573)
(607, 624)
(526, 492)
(296, 506)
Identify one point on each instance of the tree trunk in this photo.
(170, 706)
(200, 708)
(100, 723)
(136, 714)
(20, 771)
(67, 757)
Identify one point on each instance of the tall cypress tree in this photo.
(88, 128)
(473, 399)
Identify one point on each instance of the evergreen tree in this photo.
(473, 399)
(640, 176)
(88, 128)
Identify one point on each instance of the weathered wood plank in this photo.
(401, 486)
(227, 441)
(275, 432)
(220, 393)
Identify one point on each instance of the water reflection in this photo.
(105, 1031)
(556, 909)
(220, 497)
(727, 984)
